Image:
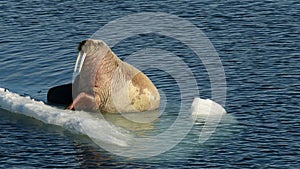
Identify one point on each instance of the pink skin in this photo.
(84, 102)
(89, 78)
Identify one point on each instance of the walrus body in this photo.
(107, 84)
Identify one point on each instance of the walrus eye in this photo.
(80, 45)
(78, 64)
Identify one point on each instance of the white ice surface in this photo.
(76, 121)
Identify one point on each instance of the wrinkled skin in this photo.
(107, 84)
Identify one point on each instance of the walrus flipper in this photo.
(84, 102)
(60, 94)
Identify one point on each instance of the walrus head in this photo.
(90, 56)
(90, 53)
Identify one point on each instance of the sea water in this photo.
(258, 45)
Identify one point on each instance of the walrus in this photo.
(107, 84)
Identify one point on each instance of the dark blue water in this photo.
(258, 44)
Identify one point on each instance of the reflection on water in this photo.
(137, 122)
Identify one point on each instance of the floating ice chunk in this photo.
(202, 108)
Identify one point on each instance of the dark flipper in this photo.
(60, 94)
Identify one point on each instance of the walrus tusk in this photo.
(80, 60)
(78, 57)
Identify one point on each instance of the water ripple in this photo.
(258, 43)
